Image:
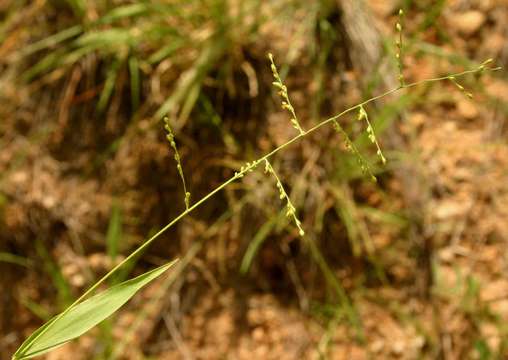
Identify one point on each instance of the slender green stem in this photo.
(283, 91)
(350, 146)
(171, 138)
(290, 208)
(398, 55)
(243, 171)
(268, 155)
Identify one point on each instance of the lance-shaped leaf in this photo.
(84, 316)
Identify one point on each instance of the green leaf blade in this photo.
(84, 316)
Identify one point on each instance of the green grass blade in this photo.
(84, 316)
(52, 40)
(256, 243)
(54, 271)
(165, 51)
(125, 11)
(47, 63)
(15, 259)
(109, 86)
(135, 82)
(193, 77)
(110, 39)
(189, 102)
(77, 6)
(114, 232)
(37, 309)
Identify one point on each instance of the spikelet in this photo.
(351, 147)
(362, 115)
(290, 209)
(283, 92)
(170, 136)
(460, 87)
(398, 44)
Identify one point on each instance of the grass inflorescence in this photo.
(283, 92)
(283, 195)
(362, 115)
(398, 43)
(250, 166)
(170, 136)
(351, 147)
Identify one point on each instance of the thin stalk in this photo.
(246, 169)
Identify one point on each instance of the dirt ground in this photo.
(424, 264)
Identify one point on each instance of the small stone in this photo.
(383, 8)
(398, 347)
(418, 342)
(495, 42)
(48, 202)
(487, 5)
(467, 109)
(446, 254)
(498, 89)
(468, 22)
(449, 209)
(417, 119)
(494, 290)
(377, 346)
(19, 177)
(258, 334)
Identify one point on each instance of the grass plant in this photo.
(244, 170)
(87, 311)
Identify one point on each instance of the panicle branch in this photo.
(171, 138)
(290, 209)
(283, 92)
